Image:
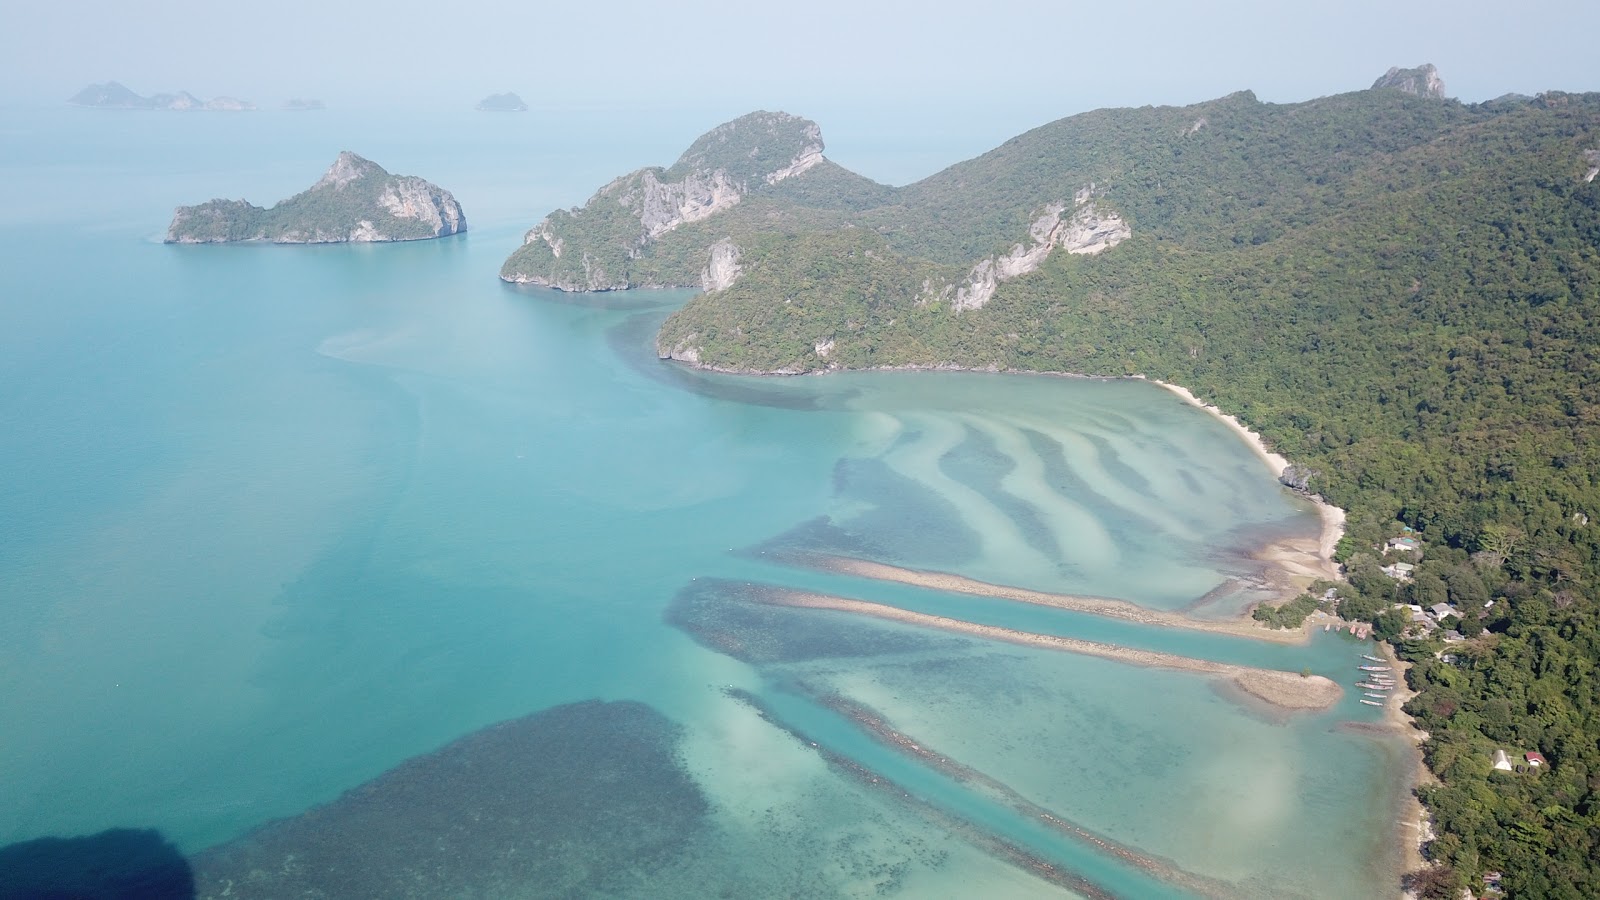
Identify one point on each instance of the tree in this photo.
(1428, 589)
(1466, 588)
(1391, 624)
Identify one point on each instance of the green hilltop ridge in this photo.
(355, 201)
(1401, 292)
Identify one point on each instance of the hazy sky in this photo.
(1043, 59)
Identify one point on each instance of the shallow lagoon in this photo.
(277, 520)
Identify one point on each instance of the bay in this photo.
(278, 519)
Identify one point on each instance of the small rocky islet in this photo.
(356, 201)
(507, 102)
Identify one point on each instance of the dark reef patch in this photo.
(907, 523)
(731, 618)
(119, 864)
(580, 800)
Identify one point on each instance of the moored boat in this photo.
(1378, 696)
(1371, 702)
(1373, 658)
(1373, 668)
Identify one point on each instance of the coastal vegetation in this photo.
(1401, 293)
(1287, 615)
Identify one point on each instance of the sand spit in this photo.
(983, 840)
(873, 722)
(1284, 689)
(1096, 606)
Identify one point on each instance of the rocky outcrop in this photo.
(413, 199)
(684, 351)
(347, 168)
(1423, 81)
(1089, 230)
(1592, 157)
(808, 157)
(722, 269)
(355, 201)
(623, 219)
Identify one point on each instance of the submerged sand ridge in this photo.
(1282, 689)
(876, 725)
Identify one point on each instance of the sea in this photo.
(353, 569)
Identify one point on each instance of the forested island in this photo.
(355, 201)
(1400, 291)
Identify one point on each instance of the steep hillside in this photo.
(1400, 291)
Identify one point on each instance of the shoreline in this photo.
(1283, 689)
(1291, 560)
(1412, 813)
(1332, 516)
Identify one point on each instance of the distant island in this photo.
(113, 95)
(355, 201)
(299, 105)
(507, 102)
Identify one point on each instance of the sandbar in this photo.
(1095, 606)
(1284, 689)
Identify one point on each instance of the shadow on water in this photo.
(119, 864)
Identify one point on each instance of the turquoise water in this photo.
(278, 519)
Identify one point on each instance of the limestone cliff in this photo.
(356, 200)
(600, 246)
(722, 269)
(1089, 230)
(1423, 81)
